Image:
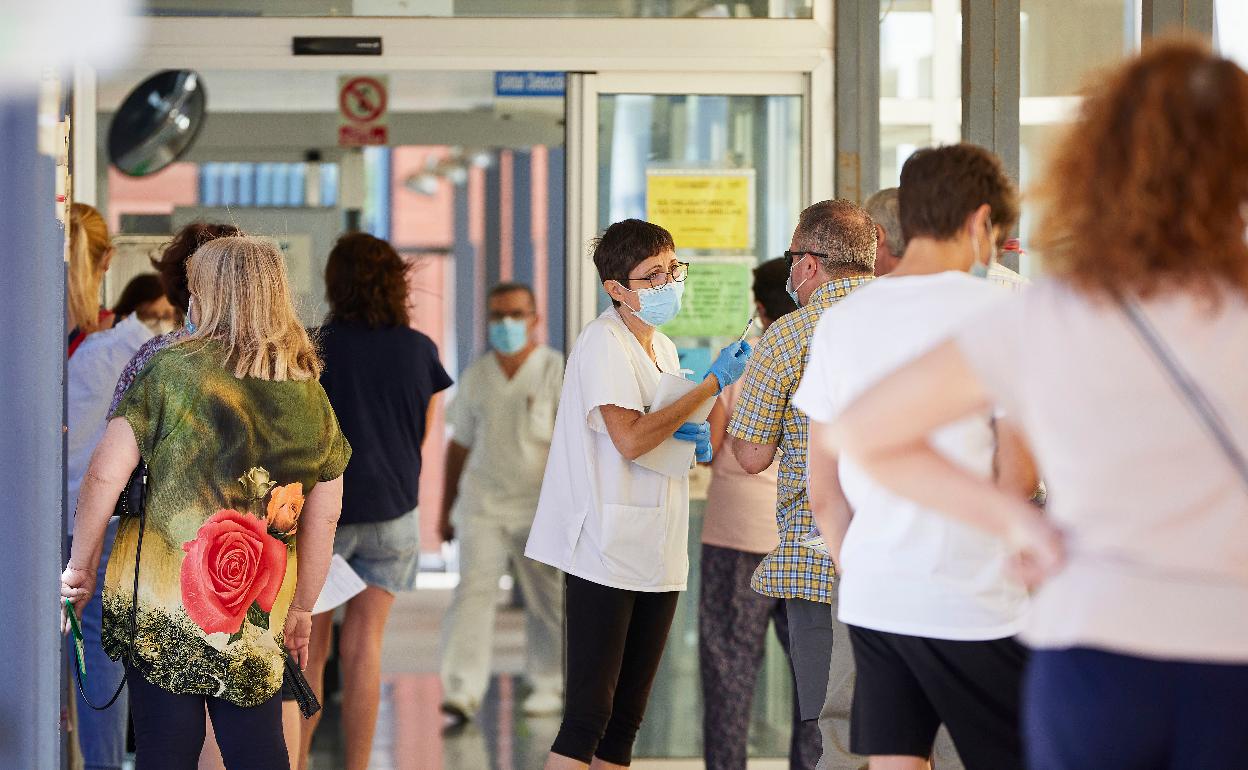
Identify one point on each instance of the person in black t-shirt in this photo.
(381, 377)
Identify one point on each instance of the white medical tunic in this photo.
(601, 517)
(507, 424)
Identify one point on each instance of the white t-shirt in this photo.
(907, 569)
(601, 517)
(507, 425)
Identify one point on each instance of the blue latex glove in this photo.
(700, 434)
(730, 364)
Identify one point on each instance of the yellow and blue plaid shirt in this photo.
(764, 413)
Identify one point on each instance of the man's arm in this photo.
(823, 484)
(757, 417)
(456, 456)
(754, 458)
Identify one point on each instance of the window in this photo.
(1091, 36)
(920, 79)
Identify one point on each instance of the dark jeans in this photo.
(169, 729)
(615, 640)
(1085, 709)
(732, 631)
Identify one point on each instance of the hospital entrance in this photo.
(480, 176)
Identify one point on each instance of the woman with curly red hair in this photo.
(1126, 367)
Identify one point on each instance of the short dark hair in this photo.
(171, 265)
(841, 229)
(769, 280)
(942, 186)
(626, 244)
(510, 286)
(366, 282)
(142, 289)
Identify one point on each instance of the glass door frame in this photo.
(584, 90)
(653, 56)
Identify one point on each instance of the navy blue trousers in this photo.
(1091, 710)
(169, 729)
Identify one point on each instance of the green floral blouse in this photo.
(230, 463)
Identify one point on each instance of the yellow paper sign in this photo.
(703, 210)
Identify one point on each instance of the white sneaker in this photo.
(543, 704)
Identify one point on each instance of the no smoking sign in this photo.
(362, 103)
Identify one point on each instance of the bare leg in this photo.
(898, 762)
(291, 729)
(318, 653)
(560, 762)
(210, 755)
(360, 648)
(602, 764)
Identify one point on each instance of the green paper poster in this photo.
(717, 300)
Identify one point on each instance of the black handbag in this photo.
(297, 684)
(132, 502)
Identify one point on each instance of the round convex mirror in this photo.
(157, 122)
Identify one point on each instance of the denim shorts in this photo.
(385, 554)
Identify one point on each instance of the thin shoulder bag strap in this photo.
(141, 473)
(1194, 395)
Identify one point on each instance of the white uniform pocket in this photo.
(633, 540)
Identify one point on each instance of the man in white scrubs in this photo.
(501, 420)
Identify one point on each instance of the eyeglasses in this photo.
(792, 256)
(659, 277)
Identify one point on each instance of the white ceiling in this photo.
(316, 91)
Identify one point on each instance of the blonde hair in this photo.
(241, 298)
(89, 245)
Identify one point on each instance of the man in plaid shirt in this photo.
(832, 253)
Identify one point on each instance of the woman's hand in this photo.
(730, 363)
(1039, 550)
(297, 634)
(699, 434)
(77, 585)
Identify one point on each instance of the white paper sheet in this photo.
(815, 543)
(674, 457)
(340, 585)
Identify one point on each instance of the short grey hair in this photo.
(885, 208)
(841, 229)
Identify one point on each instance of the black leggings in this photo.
(169, 729)
(615, 640)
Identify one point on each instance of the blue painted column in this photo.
(556, 250)
(32, 412)
(522, 216)
(493, 222)
(464, 256)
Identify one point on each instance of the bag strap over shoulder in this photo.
(1205, 411)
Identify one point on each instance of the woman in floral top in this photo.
(245, 462)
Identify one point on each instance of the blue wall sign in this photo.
(529, 83)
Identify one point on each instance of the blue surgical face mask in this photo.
(788, 283)
(509, 335)
(659, 305)
(980, 269)
(189, 324)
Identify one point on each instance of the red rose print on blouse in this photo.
(232, 562)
